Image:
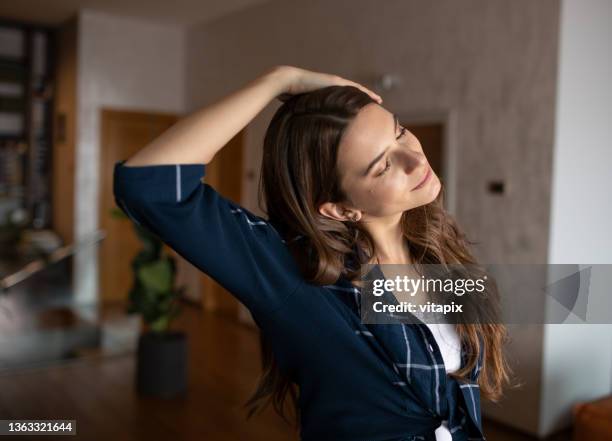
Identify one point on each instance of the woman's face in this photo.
(383, 169)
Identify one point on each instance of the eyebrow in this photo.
(381, 154)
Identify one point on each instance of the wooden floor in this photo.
(98, 393)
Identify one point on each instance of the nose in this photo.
(412, 160)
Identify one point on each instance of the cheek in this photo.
(371, 199)
(394, 195)
(395, 186)
(388, 194)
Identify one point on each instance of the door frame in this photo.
(448, 119)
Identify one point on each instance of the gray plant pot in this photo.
(161, 365)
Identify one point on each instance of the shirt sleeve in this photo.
(238, 249)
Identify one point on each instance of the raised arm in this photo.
(197, 138)
(161, 188)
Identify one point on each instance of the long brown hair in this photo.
(299, 173)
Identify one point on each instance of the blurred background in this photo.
(510, 99)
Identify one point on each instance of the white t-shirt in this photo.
(450, 346)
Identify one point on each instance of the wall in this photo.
(581, 200)
(577, 361)
(122, 64)
(491, 64)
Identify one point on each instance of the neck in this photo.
(389, 243)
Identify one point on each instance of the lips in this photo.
(424, 180)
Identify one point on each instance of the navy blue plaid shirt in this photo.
(357, 382)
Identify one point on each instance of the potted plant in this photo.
(161, 365)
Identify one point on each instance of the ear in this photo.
(338, 212)
(333, 211)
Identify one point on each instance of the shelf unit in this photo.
(26, 115)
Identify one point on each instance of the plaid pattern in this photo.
(413, 352)
(357, 382)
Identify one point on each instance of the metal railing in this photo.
(37, 265)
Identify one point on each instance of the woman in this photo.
(344, 185)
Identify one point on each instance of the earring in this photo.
(354, 217)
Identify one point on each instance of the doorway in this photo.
(434, 133)
(123, 134)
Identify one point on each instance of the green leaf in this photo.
(156, 277)
(117, 213)
(160, 325)
(152, 294)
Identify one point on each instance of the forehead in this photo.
(365, 137)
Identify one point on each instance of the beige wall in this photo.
(122, 64)
(490, 64)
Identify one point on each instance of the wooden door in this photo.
(431, 137)
(123, 134)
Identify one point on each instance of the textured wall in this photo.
(122, 63)
(491, 64)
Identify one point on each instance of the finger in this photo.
(374, 96)
(369, 92)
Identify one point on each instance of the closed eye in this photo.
(386, 169)
(388, 164)
(402, 132)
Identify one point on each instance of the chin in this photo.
(426, 195)
(432, 190)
